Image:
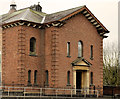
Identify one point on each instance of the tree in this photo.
(110, 65)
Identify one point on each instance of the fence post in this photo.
(56, 92)
(24, 92)
(8, 91)
(97, 93)
(71, 92)
(40, 91)
(85, 93)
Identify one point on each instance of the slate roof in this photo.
(26, 14)
(30, 15)
(58, 15)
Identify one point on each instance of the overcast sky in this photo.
(105, 10)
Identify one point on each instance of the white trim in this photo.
(43, 19)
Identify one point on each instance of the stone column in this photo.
(74, 81)
(87, 81)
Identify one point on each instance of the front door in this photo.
(78, 79)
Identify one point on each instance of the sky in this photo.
(105, 10)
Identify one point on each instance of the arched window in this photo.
(68, 49)
(80, 49)
(68, 78)
(32, 44)
(91, 77)
(29, 77)
(35, 77)
(91, 52)
(47, 79)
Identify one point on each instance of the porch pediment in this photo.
(81, 62)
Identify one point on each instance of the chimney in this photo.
(36, 7)
(12, 7)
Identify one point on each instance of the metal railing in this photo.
(45, 92)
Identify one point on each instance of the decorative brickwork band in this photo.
(21, 57)
(54, 61)
(3, 56)
(101, 67)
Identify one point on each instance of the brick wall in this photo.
(16, 55)
(75, 29)
(111, 90)
(51, 52)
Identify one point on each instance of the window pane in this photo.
(91, 77)
(80, 49)
(68, 77)
(32, 44)
(68, 48)
(47, 77)
(91, 52)
(29, 76)
(35, 76)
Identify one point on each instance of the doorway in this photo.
(78, 79)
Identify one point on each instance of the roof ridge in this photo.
(58, 15)
(36, 12)
(22, 9)
(66, 10)
(43, 19)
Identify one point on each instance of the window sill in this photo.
(92, 85)
(91, 58)
(68, 84)
(69, 56)
(33, 55)
(79, 56)
(46, 85)
(35, 84)
(29, 84)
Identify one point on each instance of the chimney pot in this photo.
(12, 7)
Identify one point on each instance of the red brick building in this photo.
(59, 50)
